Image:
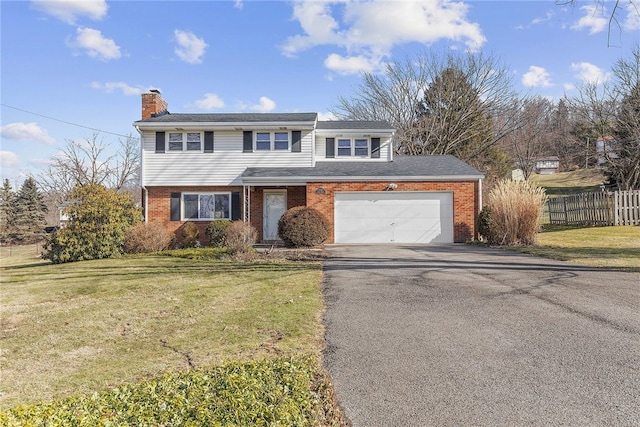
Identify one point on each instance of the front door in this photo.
(275, 204)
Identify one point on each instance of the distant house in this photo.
(547, 165)
(604, 150)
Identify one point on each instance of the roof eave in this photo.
(288, 125)
(272, 180)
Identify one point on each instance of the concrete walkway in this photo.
(461, 335)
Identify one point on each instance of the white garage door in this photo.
(393, 217)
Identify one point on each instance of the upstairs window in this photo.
(357, 147)
(207, 206)
(185, 141)
(272, 141)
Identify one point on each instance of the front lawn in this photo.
(74, 329)
(614, 247)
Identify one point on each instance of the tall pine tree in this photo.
(623, 166)
(7, 212)
(30, 212)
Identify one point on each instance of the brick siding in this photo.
(465, 202)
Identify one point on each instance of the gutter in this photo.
(145, 192)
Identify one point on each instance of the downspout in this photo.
(145, 192)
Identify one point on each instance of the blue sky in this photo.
(83, 62)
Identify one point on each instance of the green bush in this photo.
(240, 237)
(216, 231)
(189, 235)
(98, 221)
(282, 391)
(145, 238)
(303, 227)
(516, 212)
(486, 226)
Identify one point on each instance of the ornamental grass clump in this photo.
(514, 213)
(239, 237)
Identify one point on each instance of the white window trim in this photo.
(213, 193)
(272, 140)
(184, 142)
(352, 145)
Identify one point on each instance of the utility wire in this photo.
(63, 121)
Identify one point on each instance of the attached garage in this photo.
(393, 217)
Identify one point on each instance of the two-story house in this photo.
(253, 167)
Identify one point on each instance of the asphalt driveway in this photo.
(459, 335)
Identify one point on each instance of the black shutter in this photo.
(247, 141)
(296, 141)
(175, 206)
(159, 142)
(331, 147)
(208, 142)
(236, 208)
(375, 148)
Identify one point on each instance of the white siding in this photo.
(321, 154)
(222, 167)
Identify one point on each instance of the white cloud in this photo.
(110, 87)
(70, 10)
(589, 73)
(327, 116)
(632, 21)
(238, 4)
(9, 159)
(594, 19)
(190, 48)
(351, 64)
(363, 28)
(95, 44)
(264, 105)
(26, 132)
(536, 77)
(209, 102)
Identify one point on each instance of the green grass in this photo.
(566, 183)
(612, 247)
(77, 328)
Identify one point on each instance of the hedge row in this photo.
(281, 391)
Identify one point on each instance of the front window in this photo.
(263, 141)
(344, 147)
(207, 206)
(181, 141)
(272, 141)
(358, 147)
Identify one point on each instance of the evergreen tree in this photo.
(98, 221)
(30, 212)
(7, 212)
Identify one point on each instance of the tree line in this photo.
(464, 104)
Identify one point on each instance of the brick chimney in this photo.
(153, 104)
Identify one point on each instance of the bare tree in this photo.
(533, 138)
(618, 7)
(458, 104)
(89, 162)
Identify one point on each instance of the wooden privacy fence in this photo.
(601, 208)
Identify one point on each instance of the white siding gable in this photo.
(222, 167)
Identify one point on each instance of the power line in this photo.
(64, 121)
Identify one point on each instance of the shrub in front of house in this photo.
(188, 236)
(216, 232)
(240, 237)
(516, 209)
(145, 238)
(486, 226)
(98, 221)
(302, 226)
